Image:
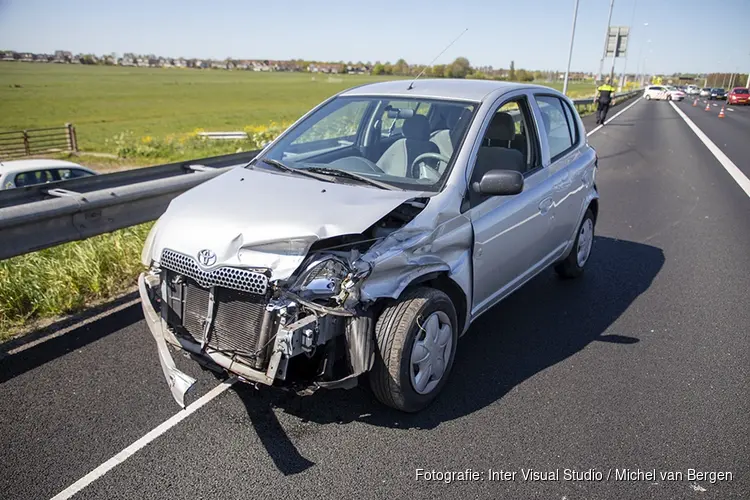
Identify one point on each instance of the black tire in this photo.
(395, 332)
(569, 268)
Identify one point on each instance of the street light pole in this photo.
(570, 52)
(630, 37)
(606, 39)
(640, 57)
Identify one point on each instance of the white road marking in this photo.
(142, 442)
(728, 165)
(730, 109)
(618, 114)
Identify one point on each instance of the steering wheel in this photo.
(434, 156)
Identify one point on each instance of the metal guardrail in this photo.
(617, 98)
(45, 215)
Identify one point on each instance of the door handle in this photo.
(545, 205)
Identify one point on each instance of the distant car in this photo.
(739, 95)
(692, 90)
(22, 173)
(717, 93)
(663, 93)
(705, 92)
(658, 92)
(675, 93)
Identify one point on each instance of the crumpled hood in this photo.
(246, 207)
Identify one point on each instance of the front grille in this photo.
(237, 323)
(228, 277)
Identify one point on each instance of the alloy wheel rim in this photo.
(431, 352)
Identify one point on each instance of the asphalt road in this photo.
(730, 133)
(641, 364)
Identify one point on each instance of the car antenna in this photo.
(411, 85)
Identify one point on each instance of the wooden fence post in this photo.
(26, 143)
(72, 140)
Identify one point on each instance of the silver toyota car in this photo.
(369, 236)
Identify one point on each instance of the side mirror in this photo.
(499, 183)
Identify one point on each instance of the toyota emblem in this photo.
(207, 257)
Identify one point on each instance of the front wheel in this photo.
(416, 345)
(574, 263)
(648, 97)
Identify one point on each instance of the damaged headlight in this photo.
(333, 278)
(282, 256)
(322, 278)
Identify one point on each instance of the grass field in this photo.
(146, 115)
(146, 105)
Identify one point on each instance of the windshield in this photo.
(741, 91)
(408, 143)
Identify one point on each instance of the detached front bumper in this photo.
(179, 382)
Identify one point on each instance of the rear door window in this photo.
(558, 130)
(33, 177)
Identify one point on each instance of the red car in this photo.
(739, 95)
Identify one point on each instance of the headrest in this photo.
(452, 116)
(417, 127)
(462, 121)
(502, 128)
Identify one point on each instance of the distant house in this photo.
(141, 62)
(180, 63)
(27, 57)
(7, 55)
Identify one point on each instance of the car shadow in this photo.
(64, 337)
(540, 325)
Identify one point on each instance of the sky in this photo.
(684, 35)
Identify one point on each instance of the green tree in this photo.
(401, 68)
(459, 68)
(438, 71)
(378, 69)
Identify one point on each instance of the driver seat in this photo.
(397, 159)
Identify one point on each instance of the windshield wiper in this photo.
(279, 165)
(351, 175)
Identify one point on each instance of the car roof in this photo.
(440, 88)
(25, 165)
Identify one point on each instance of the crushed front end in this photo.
(308, 330)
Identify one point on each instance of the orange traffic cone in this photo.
(708, 106)
(695, 102)
(721, 113)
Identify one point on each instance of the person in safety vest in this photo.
(603, 100)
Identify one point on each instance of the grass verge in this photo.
(68, 278)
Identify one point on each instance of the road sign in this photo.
(617, 41)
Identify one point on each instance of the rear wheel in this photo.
(416, 345)
(648, 97)
(574, 263)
